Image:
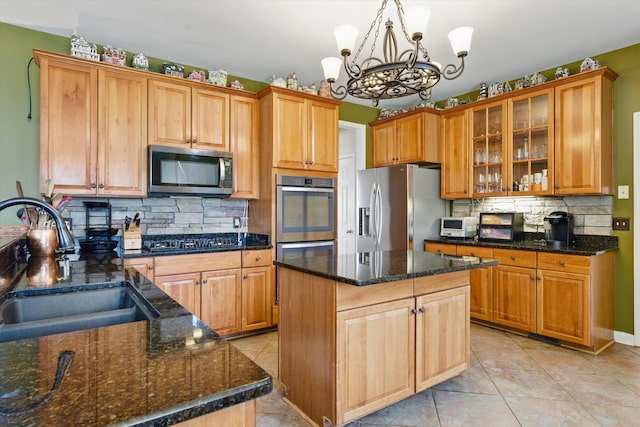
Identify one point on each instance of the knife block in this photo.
(131, 238)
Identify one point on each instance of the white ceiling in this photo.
(258, 38)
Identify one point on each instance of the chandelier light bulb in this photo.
(331, 67)
(417, 18)
(460, 39)
(346, 37)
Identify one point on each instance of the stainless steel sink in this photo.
(43, 314)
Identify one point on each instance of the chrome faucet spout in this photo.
(66, 242)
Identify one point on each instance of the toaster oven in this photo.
(461, 227)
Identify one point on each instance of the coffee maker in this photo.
(558, 229)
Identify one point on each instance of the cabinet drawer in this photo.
(177, 264)
(474, 251)
(257, 258)
(515, 258)
(440, 248)
(561, 262)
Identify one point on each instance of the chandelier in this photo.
(396, 75)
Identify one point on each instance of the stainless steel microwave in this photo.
(187, 171)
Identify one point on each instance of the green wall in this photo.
(19, 137)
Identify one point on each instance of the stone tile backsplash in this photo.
(167, 215)
(592, 214)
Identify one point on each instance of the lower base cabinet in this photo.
(347, 351)
(228, 291)
(561, 296)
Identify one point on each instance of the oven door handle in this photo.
(306, 244)
(309, 189)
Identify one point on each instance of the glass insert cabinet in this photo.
(511, 146)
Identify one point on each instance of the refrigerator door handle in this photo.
(379, 218)
(372, 209)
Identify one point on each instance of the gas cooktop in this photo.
(193, 243)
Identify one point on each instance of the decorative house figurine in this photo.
(325, 90)
(218, 77)
(484, 91)
(173, 70)
(561, 72)
(236, 85)
(278, 81)
(198, 76)
(507, 87)
(292, 81)
(81, 49)
(140, 62)
(537, 78)
(114, 56)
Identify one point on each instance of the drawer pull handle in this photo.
(561, 262)
(513, 258)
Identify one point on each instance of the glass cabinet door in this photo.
(489, 150)
(531, 133)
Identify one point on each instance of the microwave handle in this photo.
(223, 171)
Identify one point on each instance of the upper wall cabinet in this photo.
(243, 134)
(182, 115)
(454, 142)
(551, 139)
(92, 128)
(584, 134)
(410, 138)
(300, 129)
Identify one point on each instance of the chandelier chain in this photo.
(378, 19)
(424, 52)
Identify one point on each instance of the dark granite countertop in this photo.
(368, 268)
(240, 241)
(151, 373)
(584, 244)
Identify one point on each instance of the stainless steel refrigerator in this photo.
(398, 207)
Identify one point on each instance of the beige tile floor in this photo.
(512, 381)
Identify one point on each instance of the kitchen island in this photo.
(170, 370)
(362, 331)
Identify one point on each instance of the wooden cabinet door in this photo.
(243, 130)
(410, 139)
(169, 114)
(564, 306)
(220, 301)
(481, 280)
(383, 142)
(514, 297)
(142, 265)
(454, 149)
(183, 288)
(122, 134)
(442, 336)
(69, 126)
(290, 132)
(256, 301)
(383, 335)
(322, 152)
(209, 120)
(584, 137)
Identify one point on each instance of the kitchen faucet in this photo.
(66, 242)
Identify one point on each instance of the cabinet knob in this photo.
(150, 267)
(465, 191)
(101, 186)
(512, 258)
(195, 141)
(561, 262)
(421, 310)
(245, 276)
(197, 282)
(93, 185)
(204, 281)
(189, 141)
(556, 187)
(473, 254)
(531, 277)
(538, 278)
(310, 162)
(414, 311)
(258, 258)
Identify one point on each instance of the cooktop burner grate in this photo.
(189, 244)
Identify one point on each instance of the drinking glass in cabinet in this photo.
(480, 156)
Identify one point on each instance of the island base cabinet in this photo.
(240, 415)
(442, 336)
(375, 350)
